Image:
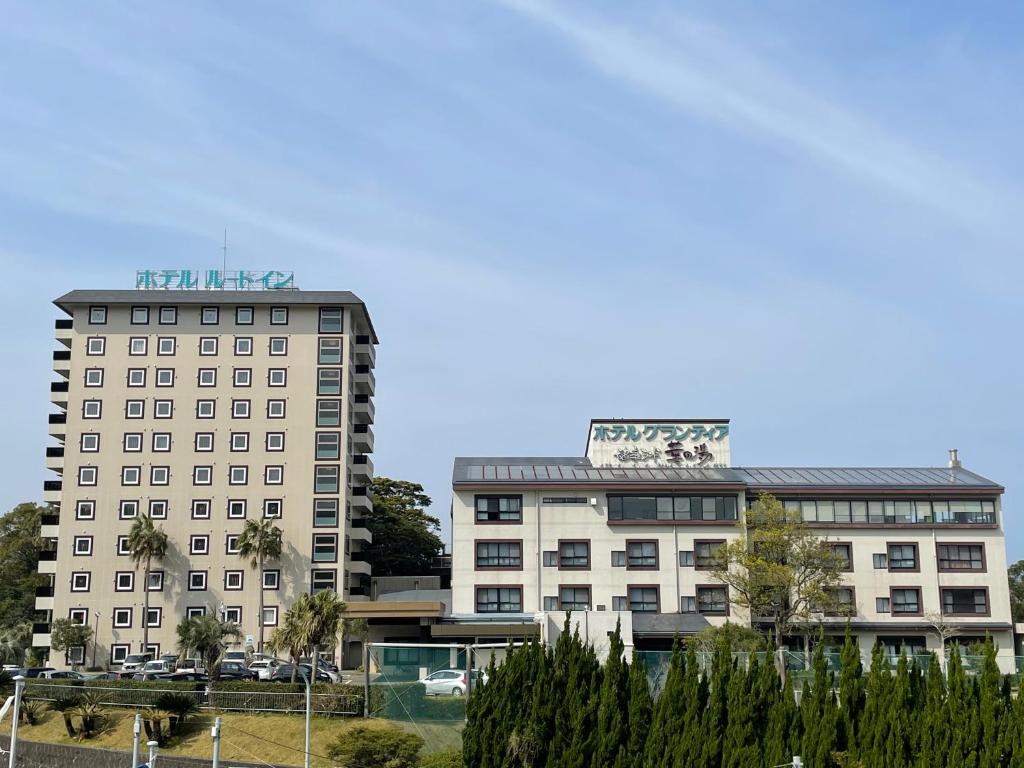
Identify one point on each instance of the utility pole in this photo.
(19, 689)
(136, 731)
(215, 732)
(95, 641)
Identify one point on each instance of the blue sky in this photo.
(800, 216)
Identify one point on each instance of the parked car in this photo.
(233, 670)
(38, 671)
(148, 676)
(283, 674)
(62, 674)
(186, 677)
(113, 676)
(445, 682)
(159, 667)
(323, 666)
(191, 665)
(135, 661)
(242, 657)
(264, 668)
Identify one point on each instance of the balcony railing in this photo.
(44, 591)
(39, 628)
(52, 485)
(57, 418)
(362, 338)
(55, 452)
(358, 490)
(47, 555)
(58, 386)
(64, 324)
(62, 354)
(50, 520)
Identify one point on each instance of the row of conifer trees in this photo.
(560, 708)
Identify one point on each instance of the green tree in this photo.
(405, 539)
(292, 633)
(851, 692)
(146, 543)
(639, 709)
(66, 634)
(19, 564)
(205, 637)
(613, 708)
(736, 637)
(259, 542)
(15, 640)
(1015, 575)
(668, 713)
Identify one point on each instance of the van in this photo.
(159, 666)
(134, 662)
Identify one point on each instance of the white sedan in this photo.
(445, 682)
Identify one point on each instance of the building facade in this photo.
(202, 409)
(628, 531)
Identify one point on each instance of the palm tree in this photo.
(205, 635)
(292, 635)
(260, 541)
(311, 623)
(13, 643)
(146, 543)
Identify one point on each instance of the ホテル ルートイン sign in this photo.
(214, 279)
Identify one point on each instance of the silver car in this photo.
(445, 682)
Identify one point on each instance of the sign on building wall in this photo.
(658, 444)
(214, 280)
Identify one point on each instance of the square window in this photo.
(273, 475)
(240, 409)
(236, 508)
(686, 560)
(199, 545)
(231, 545)
(204, 442)
(207, 346)
(328, 445)
(85, 510)
(196, 581)
(328, 381)
(326, 479)
(87, 475)
(205, 409)
(89, 442)
(122, 546)
(879, 560)
(134, 409)
(279, 315)
(272, 507)
(80, 581)
(128, 510)
(550, 603)
(323, 579)
(95, 345)
(329, 352)
(238, 475)
(165, 345)
(242, 377)
(159, 475)
(279, 345)
(239, 441)
(140, 315)
(153, 649)
(132, 442)
(881, 605)
(233, 580)
(158, 509)
(325, 513)
(328, 413)
(325, 548)
(233, 614)
(168, 315)
(210, 316)
(92, 409)
(243, 315)
(270, 616)
(78, 615)
(275, 409)
(136, 377)
(619, 559)
(275, 441)
(118, 653)
(277, 377)
(97, 315)
(207, 377)
(154, 617)
(688, 604)
(713, 601)
(165, 377)
(243, 345)
(138, 345)
(200, 509)
(122, 619)
(124, 581)
(94, 377)
(202, 475)
(163, 409)
(161, 442)
(330, 320)
(82, 546)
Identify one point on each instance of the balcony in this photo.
(366, 351)
(57, 418)
(359, 591)
(363, 380)
(363, 409)
(40, 628)
(57, 422)
(44, 591)
(360, 534)
(55, 452)
(48, 555)
(52, 485)
(362, 467)
(50, 520)
(362, 438)
(359, 567)
(62, 362)
(63, 330)
(58, 386)
(359, 499)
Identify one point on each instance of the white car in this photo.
(445, 682)
(239, 657)
(160, 666)
(135, 662)
(264, 668)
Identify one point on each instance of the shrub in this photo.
(365, 747)
(31, 711)
(450, 758)
(178, 706)
(66, 705)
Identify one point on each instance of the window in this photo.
(641, 555)
(165, 345)
(168, 315)
(323, 579)
(158, 509)
(275, 441)
(122, 546)
(132, 442)
(233, 614)
(205, 409)
(270, 616)
(574, 598)
(122, 618)
(154, 617)
(207, 377)
(97, 315)
(273, 474)
(619, 603)
(326, 479)
(330, 320)
(279, 315)
(163, 409)
(643, 599)
(905, 601)
(202, 475)
(895, 511)
(713, 600)
(204, 442)
(134, 409)
(844, 552)
(329, 352)
(242, 377)
(328, 381)
(239, 442)
(89, 442)
(210, 316)
(566, 500)
(619, 558)
(240, 409)
(275, 409)
(499, 509)
(328, 413)
(499, 599)
(902, 557)
(85, 510)
(325, 513)
(551, 603)
(842, 603)
(574, 555)
(879, 560)
(128, 509)
(165, 377)
(124, 581)
(325, 547)
(881, 605)
(197, 581)
(686, 559)
(243, 345)
(499, 554)
(961, 557)
(119, 652)
(687, 604)
(199, 544)
(278, 345)
(156, 581)
(277, 377)
(82, 546)
(238, 474)
(140, 315)
(94, 377)
(87, 476)
(161, 442)
(92, 409)
(200, 509)
(159, 475)
(138, 345)
(669, 507)
(965, 602)
(328, 445)
(207, 346)
(551, 558)
(236, 508)
(705, 554)
(243, 315)
(136, 377)
(95, 345)
(80, 581)
(272, 508)
(233, 580)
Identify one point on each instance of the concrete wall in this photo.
(32, 754)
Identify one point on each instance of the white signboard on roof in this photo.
(692, 444)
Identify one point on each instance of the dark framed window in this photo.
(81, 581)
(642, 555)
(326, 478)
(574, 598)
(121, 618)
(672, 508)
(168, 316)
(965, 602)
(643, 599)
(843, 550)
(97, 315)
(905, 601)
(328, 381)
(201, 509)
(328, 445)
(95, 346)
(273, 508)
(271, 578)
(499, 509)
(328, 413)
(278, 345)
(207, 377)
(713, 600)
(323, 578)
(329, 352)
(325, 513)
(243, 346)
(279, 315)
(705, 553)
(503, 555)
(85, 510)
(197, 581)
(331, 320)
(499, 599)
(209, 316)
(199, 544)
(140, 315)
(574, 555)
(843, 602)
(208, 346)
(903, 557)
(234, 580)
(243, 315)
(961, 557)
(325, 547)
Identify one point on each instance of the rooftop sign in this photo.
(214, 280)
(659, 444)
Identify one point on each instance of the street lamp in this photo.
(95, 638)
(309, 712)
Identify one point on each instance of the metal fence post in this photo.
(469, 670)
(366, 679)
(19, 689)
(136, 731)
(215, 732)
(152, 753)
